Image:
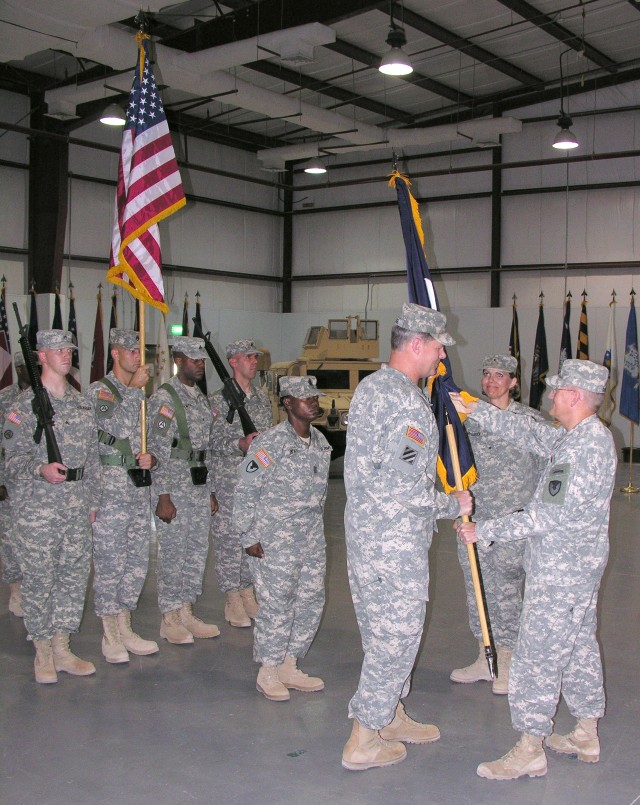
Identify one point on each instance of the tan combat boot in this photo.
(15, 599)
(527, 758)
(292, 677)
(196, 626)
(478, 671)
(583, 741)
(43, 663)
(65, 660)
(249, 602)
(365, 749)
(172, 629)
(113, 649)
(501, 682)
(132, 641)
(269, 684)
(405, 729)
(234, 611)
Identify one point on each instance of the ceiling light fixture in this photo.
(113, 115)
(395, 61)
(565, 139)
(315, 166)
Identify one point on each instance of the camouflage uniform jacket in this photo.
(507, 475)
(225, 453)
(390, 472)
(118, 419)
(163, 429)
(281, 488)
(566, 523)
(8, 397)
(75, 431)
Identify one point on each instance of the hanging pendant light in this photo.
(395, 61)
(315, 166)
(113, 115)
(565, 139)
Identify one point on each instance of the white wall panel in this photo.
(13, 218)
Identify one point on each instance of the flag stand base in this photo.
(630, 490)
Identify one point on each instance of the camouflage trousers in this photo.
(183, 546)
(121, 535)
(233, 571)
(501, 565)
(289, 586)
(10, 568)
(556, 653)
(390, 626)
(54, 552)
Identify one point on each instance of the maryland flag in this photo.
(422, 292)
(582, 351)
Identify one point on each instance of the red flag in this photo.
(149, 189)
(97, 358)
(6, 372)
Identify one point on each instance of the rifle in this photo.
(231, 390)
(41, 403)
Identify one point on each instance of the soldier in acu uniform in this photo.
(229, 445)
(498, 462)
(179, 433)
(566, 531)
(52, 503)
(277, 510)
(392, 506)
(122, 526)
(11, 573)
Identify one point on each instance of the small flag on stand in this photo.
(514, 348)
(611, 362)
(629, 391)
(565, 343)
(540, 362)
(33, 318)
(202, 384)
(6, 370)
(185, 315)
(74, 373)
(113, 322)
(97, 358)
(56, 324)
(582, 351)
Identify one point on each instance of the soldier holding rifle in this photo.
(52, 464)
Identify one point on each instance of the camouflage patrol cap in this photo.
(300, 387)
(506, 363)
(190, 347)
(242, 347)
(582, 375)
(18, 359)
(54, 339)
(129, 339)
(419, 319)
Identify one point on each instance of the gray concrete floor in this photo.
(187, 725)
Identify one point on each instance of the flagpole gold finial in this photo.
(584, 294)
(198, 296)
(4, 280)
(32, 286)
(569, 295)
(514, 299)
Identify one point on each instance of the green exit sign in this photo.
(176, 329)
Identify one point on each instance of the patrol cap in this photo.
(580, 374)
(54, 339)
(506, 363)
(420, 319)
(190, 347)
(242, 347)
(300, 387)
(129, 339)
(18, 359)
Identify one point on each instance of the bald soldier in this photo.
(52, 502)
(178, 436)
(392, 506)
(11, 573)
(565, 526)
(122, 527)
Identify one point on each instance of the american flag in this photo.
(6, 373)
(149, 189)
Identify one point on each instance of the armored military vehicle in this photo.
(338, 356)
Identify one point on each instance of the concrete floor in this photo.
(187, 725)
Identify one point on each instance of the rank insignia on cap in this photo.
(415, 435)
(15, 418)
(264, 458)
(105, 394)
(166, 412)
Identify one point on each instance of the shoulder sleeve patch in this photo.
(556, 483)
(409, 449)
(164, 418)
(105, 394)
(255, 464)
(14, 416)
